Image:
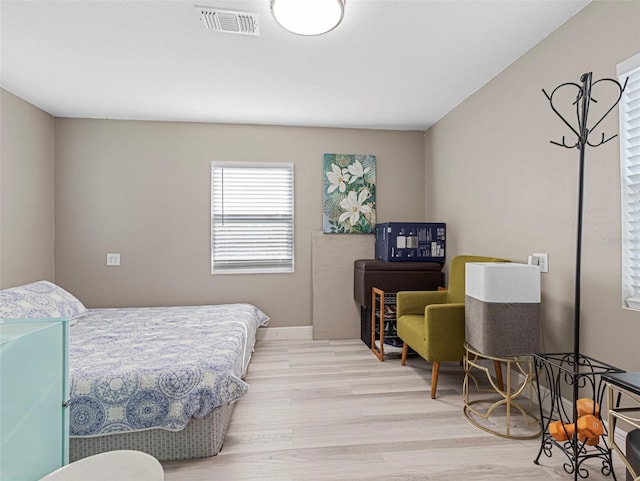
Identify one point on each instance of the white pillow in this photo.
(39, 300)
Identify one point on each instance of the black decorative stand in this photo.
(584, 377)
(574, 373)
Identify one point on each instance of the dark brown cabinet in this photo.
(389, 277)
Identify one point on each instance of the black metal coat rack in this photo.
(582, 133)
(574, 369)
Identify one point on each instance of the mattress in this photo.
(139, 369)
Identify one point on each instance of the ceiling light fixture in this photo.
(308, 17)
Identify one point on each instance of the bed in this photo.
(162, 380)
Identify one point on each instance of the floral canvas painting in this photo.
(349, 194)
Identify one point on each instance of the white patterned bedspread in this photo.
(141, 368)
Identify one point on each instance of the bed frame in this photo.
(200, 438)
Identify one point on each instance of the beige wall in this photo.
(505, 190)
(26, 192)
(143, 189)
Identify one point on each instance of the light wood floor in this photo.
(330, 411)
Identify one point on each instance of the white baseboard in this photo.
(282, 333)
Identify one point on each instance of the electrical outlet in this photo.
(542, 261)
(113, 259)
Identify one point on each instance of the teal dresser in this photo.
(34, 427)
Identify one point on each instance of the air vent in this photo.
(228, 21)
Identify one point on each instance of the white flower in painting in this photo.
(338, 179)
(356, 170)
(354, 206)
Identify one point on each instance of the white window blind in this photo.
(630, 177)
(251, 217)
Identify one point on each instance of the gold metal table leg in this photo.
(511, 396)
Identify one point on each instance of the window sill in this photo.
(632, 304)
(253, 271)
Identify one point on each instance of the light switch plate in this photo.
(113, 259)
(543, 261)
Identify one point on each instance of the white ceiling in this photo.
(391, 64)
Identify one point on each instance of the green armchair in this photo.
(432, 322)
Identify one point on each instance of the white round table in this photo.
(122, 465)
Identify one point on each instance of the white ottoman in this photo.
(111, 466)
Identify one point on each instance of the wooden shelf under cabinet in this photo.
(384, 336)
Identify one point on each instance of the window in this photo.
(251, 217)
(630, 179)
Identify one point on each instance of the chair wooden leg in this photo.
(405, 351)
(498, 367)
(435, 370)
